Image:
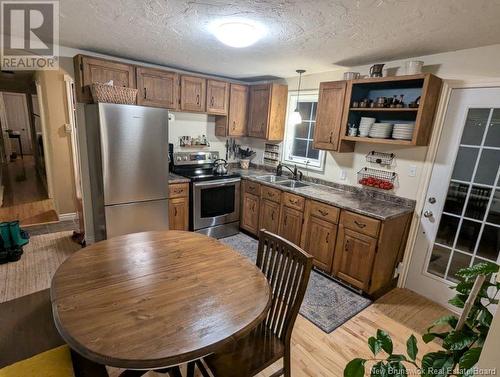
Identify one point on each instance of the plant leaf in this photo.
(458, 340)
(485, 318)
(385, 341)
(470, 358)
(430, 336)
(437, 364)
(379, 370)
(396, 358)
(458, 301)
(411, 347)
(355, 368)
(374, 345)
(484, 268)
(449, 320)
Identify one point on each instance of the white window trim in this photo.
(289, 135)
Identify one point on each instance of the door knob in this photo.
(428, 214)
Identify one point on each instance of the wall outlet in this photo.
(343, 175)
(412, 171)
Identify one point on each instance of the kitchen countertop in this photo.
(359, 200)
(174, 178)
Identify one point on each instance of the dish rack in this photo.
(380, 158)
(381, 179)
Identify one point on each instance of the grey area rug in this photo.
(327, 304)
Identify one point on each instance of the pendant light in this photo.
(295, 117)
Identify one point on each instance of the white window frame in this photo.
(287, 157)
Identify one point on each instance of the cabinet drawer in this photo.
(178, 190)
(325, 212)
(271, 194)
(360, 223)
(293, 201)
(252, 188)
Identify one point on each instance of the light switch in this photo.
(412, 171)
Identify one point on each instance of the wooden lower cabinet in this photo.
(178, 213)
(250, 213)
(291, 224)
(178, 206)
(354, 257)
(319, 241)
(269, 216)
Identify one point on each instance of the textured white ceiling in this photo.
(315, 35)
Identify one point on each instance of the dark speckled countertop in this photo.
(367, 202)
(174, 178)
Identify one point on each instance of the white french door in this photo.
(460, 222)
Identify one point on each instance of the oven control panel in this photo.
(195, 158)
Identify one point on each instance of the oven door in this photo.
(216, 202)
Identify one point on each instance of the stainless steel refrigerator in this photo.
(128, 165)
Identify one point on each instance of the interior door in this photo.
(460, 223)
(16, 110)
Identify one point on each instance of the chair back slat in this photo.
(287, 268)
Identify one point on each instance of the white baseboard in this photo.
(68, 216)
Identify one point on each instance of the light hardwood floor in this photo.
(314, 353)
(34, 213)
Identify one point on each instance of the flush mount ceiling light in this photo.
(237, 33)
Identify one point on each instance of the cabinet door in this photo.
(259, 111)
(329, 115)
(250, 213)
(157, 88)
(291, 224)
(193, 92)
(238, 104)
(217, 97)
(269, 216)
(320, 242)
(178, 213)
(90, 70)
(354, 257)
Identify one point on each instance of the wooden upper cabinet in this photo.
(329, 115)
(157, 88)
(90, 70)
(267, 111)
(217, 97)
(238, 104)
(193, 94)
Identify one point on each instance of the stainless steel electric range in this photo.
(214, 200)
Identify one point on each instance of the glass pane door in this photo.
(469, 228)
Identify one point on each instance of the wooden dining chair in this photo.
(287, 268)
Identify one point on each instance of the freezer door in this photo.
(134, 152)
(136, 217)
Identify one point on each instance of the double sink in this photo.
(282, 181)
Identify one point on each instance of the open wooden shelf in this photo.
(384, 109)
(378, 141)
(426, 86)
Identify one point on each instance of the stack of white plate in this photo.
(364, 126)
(381, 130)
(403, 131)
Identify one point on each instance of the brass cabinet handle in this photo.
(293, 201)
(270, 194)
(361, 225)
(145, 93)
(327, 237)
(331, 135)
(178, 191)
(212, 101)
(272, 216)
(346, 248)
(323, 212)
(234, 125)
(175, 211)
(197, 99)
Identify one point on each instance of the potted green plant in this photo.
(461, 343)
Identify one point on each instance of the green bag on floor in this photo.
(13, 238)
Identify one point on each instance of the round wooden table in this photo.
(155, 299)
